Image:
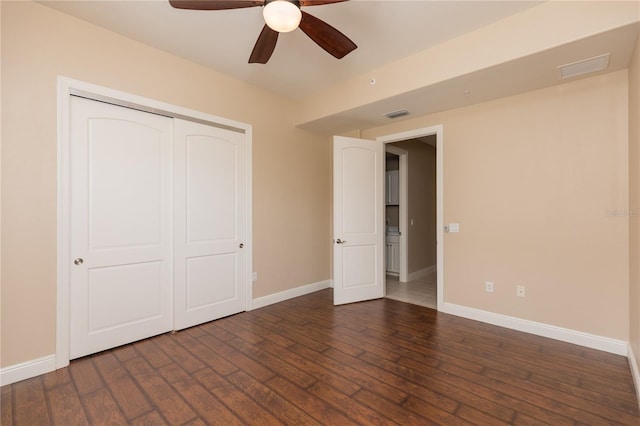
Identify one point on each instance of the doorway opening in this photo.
(413, 217)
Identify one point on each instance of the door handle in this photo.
(78, 261)
(339, 241)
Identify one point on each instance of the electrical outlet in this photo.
(520, 291)
(488, 287)
(255, 277)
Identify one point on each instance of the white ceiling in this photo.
(384, 31)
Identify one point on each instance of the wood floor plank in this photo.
(196, 422)
(179, 355)
(382, 348)
(384, 407)
(447, 389)
(173, 373)
(252, 323)
(66, 408)
(602, 411)
(360, 379)
(349, 406)
(237, 358)
(154, 355)
(124, 390)
(519, 365)
(241, 404)
(505, 402)
(173, 408)
(85, 377)
(56, 378)
(327, 339)
(305, 361)
(263, 316)
(533, 354)
(478, 417)
(301, 338)
(276, 404)
(6, 405)
(149, 419)
(124, 353)
(100, 408)
(205, 354)
(314, 367)
(233, 326)
(210, 408)
(543, 399)
(624, 401)
(432, 412)
(30, 405)
(318, 409)
(278, 363)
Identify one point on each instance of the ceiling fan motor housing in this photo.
(296, 2)
(282, 16)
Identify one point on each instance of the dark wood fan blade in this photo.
(264, 46)
(318, 2)
(325, 36)
(214, 4)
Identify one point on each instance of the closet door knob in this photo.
(78, 261)
(241, 245)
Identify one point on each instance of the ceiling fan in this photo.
(281, 16)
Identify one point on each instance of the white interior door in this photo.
(358, 219)
(120, 283)
(210, 223)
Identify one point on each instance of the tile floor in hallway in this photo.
(421, 291)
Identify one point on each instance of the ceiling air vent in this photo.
(586, 66)
(396, 114)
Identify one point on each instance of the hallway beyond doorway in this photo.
(421, 291)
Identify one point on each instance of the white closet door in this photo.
(210, 223)
(120, 288)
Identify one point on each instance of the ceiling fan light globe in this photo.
(282, 16)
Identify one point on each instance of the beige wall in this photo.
(530, 179)
(422, 204)
(634, 203)
(291, 167)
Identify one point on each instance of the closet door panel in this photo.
(120, 234)
(210, 215)
(211, 168)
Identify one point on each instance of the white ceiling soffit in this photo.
(384, 30)
(525, 74)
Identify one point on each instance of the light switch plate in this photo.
(454, 227)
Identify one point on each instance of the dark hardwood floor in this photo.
(305, 361)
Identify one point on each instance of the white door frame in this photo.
(68, 87)
(417, 133)
(403, 211)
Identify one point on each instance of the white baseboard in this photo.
(422, 272)
(289, 294)
(27, 370)
(593, 341)
(635, 371)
